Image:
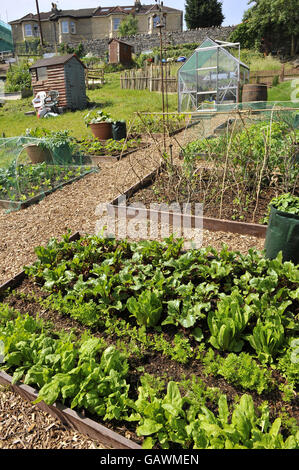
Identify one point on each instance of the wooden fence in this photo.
(267, 76)
(149, 78)
(94, 77)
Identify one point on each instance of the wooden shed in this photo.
(119, 52)
(65, 74)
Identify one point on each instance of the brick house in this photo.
(74, 26)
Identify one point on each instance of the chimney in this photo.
(137, 5)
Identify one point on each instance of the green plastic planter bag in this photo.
(282, 235)
(63, 155)
(119, 130)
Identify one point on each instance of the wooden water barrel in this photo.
(254, 92)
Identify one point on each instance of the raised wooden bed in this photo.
(177, 131)
(66, 415)
(116, 209)
(18, 205)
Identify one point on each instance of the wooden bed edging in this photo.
(71, 418)
(191, 221)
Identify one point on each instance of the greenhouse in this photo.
(211, 76)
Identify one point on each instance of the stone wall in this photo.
(145, 42)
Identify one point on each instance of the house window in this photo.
(35, 31)
(28, 30)
(65, 27)
(156, 20)
(73, 27)
(116, 23)
(42, 74)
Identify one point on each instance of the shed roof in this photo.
(118, 40)
(56, 60)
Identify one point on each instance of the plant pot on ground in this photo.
(100, 124)
(58, 146)
(38, 154)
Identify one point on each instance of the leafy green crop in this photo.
(108, 147)
(228, 322)
(226, 294)
(147, 308)
(89, 374)
(21, 182)
(239, 369)
(285, 203)
(267, 339)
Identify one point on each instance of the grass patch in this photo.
(281, 92)
(121, 104)
(257, 62)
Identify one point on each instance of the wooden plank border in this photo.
(96, 159)
(71, 418)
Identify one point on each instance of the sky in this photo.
(13, 9)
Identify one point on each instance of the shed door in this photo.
(75, 83)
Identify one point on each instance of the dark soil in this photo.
(207, 190)
(27, 299)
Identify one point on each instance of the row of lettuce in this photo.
(234, 316)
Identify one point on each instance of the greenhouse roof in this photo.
(210, 45)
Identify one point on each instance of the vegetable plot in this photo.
(19, 183)
(188, 350)
(234, 175)
(109, 147)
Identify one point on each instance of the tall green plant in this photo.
(18, 77)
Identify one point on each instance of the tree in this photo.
(277, 21)
(128, 26)
(203, 13)
(242, 35)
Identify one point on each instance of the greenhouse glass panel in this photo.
(211, 75)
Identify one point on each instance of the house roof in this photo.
(56, 60)
(93, 12)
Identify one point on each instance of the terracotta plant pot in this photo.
(38, 154)
(102, 130)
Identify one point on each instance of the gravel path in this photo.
(75, 207)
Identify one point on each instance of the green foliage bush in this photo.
(128, 26)
(67, 49)
(286, 203)
(18, 77)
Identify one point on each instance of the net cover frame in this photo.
(24, 181)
